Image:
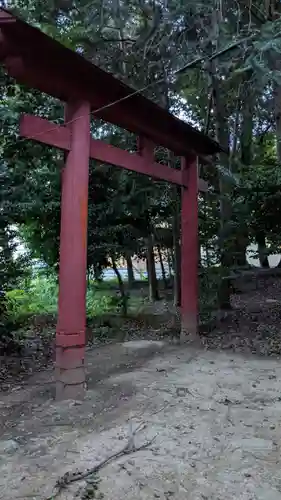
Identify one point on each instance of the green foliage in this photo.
(38, 298)
(4, 313)
(41, 294)
(230, 94)
(98, 302)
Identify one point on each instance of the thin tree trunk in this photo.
(152, 279)
(277, 113)
(124, 297)
(206, 244)
(235, 128)
(162, 267)
(260, 239)
(225, 204)
(246, 141)
(169, 262)
(222, 133)
(177, 260)
(130, 271)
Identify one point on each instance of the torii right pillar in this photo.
(189, 250)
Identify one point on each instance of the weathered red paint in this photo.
(84, 221)
(189, 250)
(68, 340)
(39, 129)
(71, 324)
(69, 358)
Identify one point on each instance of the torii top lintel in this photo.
(40, 62)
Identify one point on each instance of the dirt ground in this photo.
(213, 415)
(214, 419)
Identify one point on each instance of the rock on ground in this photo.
(215, 418)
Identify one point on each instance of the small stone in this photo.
(181, 391)
(8, 446)
(75, 402)
(226, 401)
(157, 495)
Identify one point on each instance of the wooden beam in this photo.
(131, 161)
(39, 129)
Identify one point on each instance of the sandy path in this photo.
(216, 418)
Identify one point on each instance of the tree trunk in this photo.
(240, 256)
(162, 267)
(97, 273)
(246, 142)
(170, 262)
(177, 260)
(222, 137)
(152, 279)
(226, 257)
(124, 296)
(260, 239)
(130, 271)
(277, 114)
(222, 133)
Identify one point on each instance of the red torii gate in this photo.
(35, 59)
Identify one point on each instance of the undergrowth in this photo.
(39, 296)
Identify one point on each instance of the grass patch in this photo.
(39, 296)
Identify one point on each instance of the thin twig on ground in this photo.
(71, 477)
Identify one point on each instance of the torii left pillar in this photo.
(71, 325)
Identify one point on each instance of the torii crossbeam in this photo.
(40, 62)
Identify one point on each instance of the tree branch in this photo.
(217, 54)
